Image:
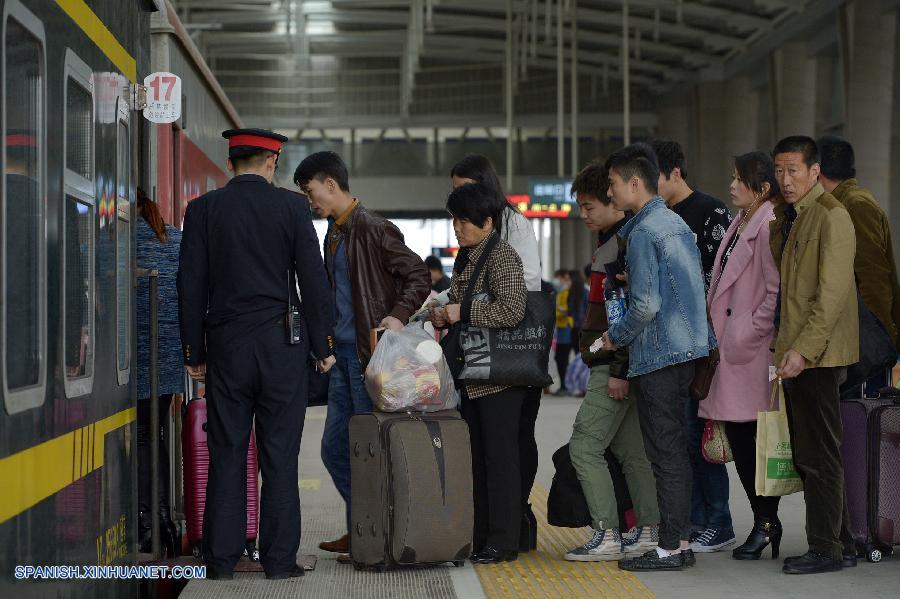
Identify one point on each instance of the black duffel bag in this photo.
(876, 350)
(516, 356)
(566, 505)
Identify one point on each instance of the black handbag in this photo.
(516, 356)
(876, 349)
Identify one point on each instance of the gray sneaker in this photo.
(603, 545)
(640, 539)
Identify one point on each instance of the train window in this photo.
(123, 247)
(24, 312)
(78, 229)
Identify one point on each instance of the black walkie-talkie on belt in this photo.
(292, 320)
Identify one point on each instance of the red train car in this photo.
(188, 156)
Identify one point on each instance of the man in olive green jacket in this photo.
(874, 267)
(817, 337)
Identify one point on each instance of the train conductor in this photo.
(245, 250)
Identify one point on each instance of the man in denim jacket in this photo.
(665, 329)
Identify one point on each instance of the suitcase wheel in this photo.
(874, 555)
(195, 551)
(459, 563)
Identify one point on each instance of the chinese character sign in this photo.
(163, 98)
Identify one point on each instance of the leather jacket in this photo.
(387, 278)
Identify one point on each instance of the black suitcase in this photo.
(411, 480)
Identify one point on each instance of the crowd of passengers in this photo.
(773, 286)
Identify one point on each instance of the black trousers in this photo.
(814, 418)
(662, 406)
(742, 438)
(528, 450)
(144, 439)
(262, 376)
(562, 362)
(494, 432)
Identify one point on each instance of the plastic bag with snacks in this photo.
(408, 373)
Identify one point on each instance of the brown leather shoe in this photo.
(341, 545)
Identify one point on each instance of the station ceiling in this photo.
(295, 64)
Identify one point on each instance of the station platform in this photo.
(544, 574)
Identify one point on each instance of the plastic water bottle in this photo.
(616, 299)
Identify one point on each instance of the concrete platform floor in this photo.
(545, 574)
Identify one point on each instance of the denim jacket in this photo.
(666, 322)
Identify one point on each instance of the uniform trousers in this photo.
(259, 375)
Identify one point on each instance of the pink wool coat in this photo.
(742, 309)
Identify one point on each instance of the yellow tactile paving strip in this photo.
(545, 574)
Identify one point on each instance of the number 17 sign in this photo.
(163, 98)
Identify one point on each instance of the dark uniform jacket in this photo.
(387, 278)
(242, 247)
(874, 267)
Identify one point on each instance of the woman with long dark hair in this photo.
(516, 230)
(742, 299)
(158, 246)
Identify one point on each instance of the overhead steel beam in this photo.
(592, 121)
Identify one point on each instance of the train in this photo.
(76, 148)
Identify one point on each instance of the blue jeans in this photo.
(709, 494)
(347, 396)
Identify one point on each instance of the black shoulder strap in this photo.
(479, 266)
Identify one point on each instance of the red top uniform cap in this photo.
(254, 138)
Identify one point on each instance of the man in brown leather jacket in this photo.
(376, 281)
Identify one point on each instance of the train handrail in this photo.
(153, 373)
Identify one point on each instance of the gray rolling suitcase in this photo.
(411, 481)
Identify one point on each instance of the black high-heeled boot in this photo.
(766, 531)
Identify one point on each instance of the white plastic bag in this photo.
(408, 372)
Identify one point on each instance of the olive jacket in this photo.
(874, 266)
(819, 313)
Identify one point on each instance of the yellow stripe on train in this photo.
(39, 472)
(94, 28)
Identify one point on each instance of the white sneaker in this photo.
(603, 546)
(640, 539)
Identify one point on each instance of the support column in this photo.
(708, 170)
(626, 77)
(740, 131)
(795, 90)
(894, 212)
(508, 91)
(560, 94)
(871, 95)
(574, 91)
